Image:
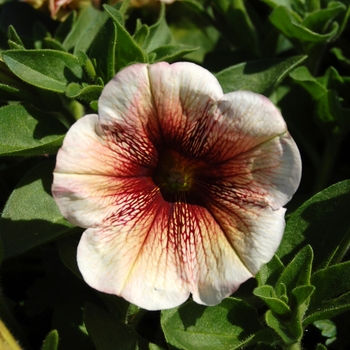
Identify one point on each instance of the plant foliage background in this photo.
(296, 52)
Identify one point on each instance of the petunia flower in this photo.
(181, 187)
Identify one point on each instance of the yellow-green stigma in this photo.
(178, 180)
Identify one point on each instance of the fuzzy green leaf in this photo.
(193, 326)
(292, 27)
(31, 217)
(270, 272)
(330, 298)
(25, 131)
(107, 331)
(159, 33)
(103, 50)
(290, 333)
(323, 222)
(51, 341)
(268, 295)
(85, 29)
(126, 50)
(46, 69)
(298, 271)
(259, 76)
(170, 53)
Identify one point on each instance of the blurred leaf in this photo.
(13, 36)
(338, 52)
(84, 30)
(331, 116)
(302, 76)
(31, 216)
(22, 17)
(259, 76)
(237, 20)
(322, 222)
(295, 5)
(7, 341)
(328, 328)
(191, 25)
(154, 347)
(65, 27)
(141, 33)
(50, 43)
(51, 341)
(318, 21)
(107, 331)
(67, 248)
(46, 69)
(321, 347)
(25, 131)
(231, 324)
(159, 33)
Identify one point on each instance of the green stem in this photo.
(295, 346)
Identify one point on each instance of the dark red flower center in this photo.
(175, 173)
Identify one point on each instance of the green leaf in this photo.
(298, 271)
(170, 53)
(328, 328)
(238, 20)
(229, 325)
(87, 93)
(85, 29)
(318, 21)
(302, 76)
(292, 27)
(25, 131)
(270, 272)
(46, 69)
(67, 248)
(31, 217)
(51, 341)
(103, 50)
(323, 221)
(295, 5)
(159, 33)
(331, 116)
(268, 295)
(330, 298)
(300, 299)
(126, 50)
(13, 36)
(289, 333)
(154, 347)
(65, 27)
(50, 43)
(259, 76)
(141, 33)
(107, 331)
